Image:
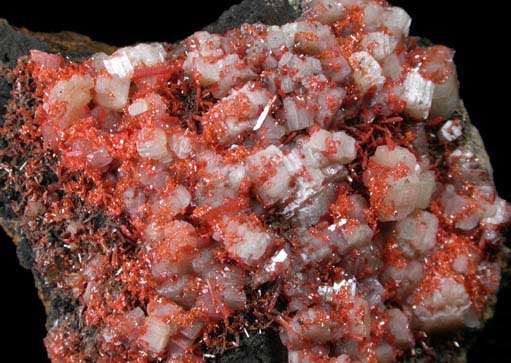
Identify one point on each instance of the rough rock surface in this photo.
(14, 43)
(271, 12)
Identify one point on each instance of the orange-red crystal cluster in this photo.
(295, 159)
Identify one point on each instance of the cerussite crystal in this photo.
(308, 177)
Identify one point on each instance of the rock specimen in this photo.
(317, 178)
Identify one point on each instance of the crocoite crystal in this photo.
(278, 176)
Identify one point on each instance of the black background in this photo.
(477, 32)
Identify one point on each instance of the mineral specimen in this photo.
(310, 177)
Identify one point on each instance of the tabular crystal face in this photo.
(312, 177)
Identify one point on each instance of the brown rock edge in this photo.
(265, 347)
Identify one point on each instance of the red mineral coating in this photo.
(236, 160)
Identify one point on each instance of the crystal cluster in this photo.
(295, 159)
